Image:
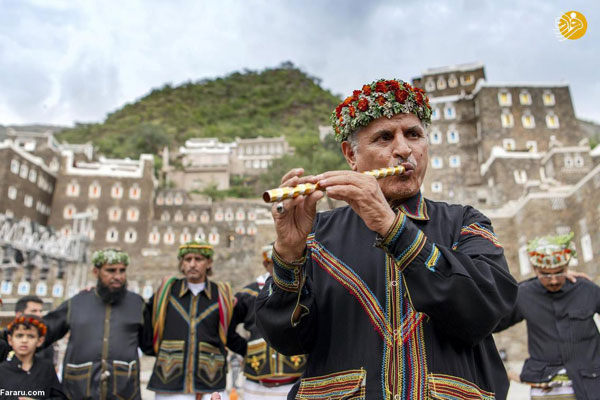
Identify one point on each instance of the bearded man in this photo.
(393, 296)
(106, 328)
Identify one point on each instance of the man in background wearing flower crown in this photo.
(394, 296)
(563, 340)
(106, 328)
(269, 374)
(192, 326)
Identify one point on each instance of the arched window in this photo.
(69, 211)
(114, 214)
(116, 191)
(112, 235)
(133, 214)
(73, 189)
(135, 192)
(130, 235)
(192, 217)
(94, 190)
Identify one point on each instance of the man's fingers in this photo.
(292, 173)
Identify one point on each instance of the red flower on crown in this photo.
(363, 104)
(381, 87)
(392, 85)
(348, 101)
(401, 96)
(355, 94)
(366, 89)
(380, 100)
(419, 98)
(352, 111)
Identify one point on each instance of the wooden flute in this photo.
(279, 194)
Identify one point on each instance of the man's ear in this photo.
(96, 271)
(349, 154)
(40, 341)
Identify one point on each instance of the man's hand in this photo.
(363, 194)
(513, 376)
(215, 396)
(295, 223)
(572, 275)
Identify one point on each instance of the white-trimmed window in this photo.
(520, 176)
(436, 187)
(192, 217)
(578, 161)
(441, 83)
(548, 98)
(453, 136)
(229, 214)
(219, 215)
(178, 199)
(552, 121)
(251, 230)
(436, 162)
(200, 235)
(467, 80)
(435, 113)
(114, 214)
(525, 98)
(436, 137)
(165, 216)
(14, 166)
(527, 120)
(23, 288)
(507, 119)
(240, 230)
(93, 210)
(6, 287)
(504, 98)
(24, 171)
(454, 161)
(57, 290)
(32, 175)
(185, 236)
(154, 236)
(213, 236)
(204, 217)
(509, 144)
(112, 235)
(169, 236)
(133, 214)
(160, 200)
(116, 191)
(240, 215)
(452, 81)
(251, 215)
(12, 192)
(92, 234)
(135, 192)
(178, 217)
(430, 85)
(130, 235)
(72, 189)
(28, 200)
(531, 146)
(9, 213)
(69, 211)
(449, 112)
(94, 190)
(54, 165)
(147, 292)
(41, 289)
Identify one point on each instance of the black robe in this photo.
(405, 316)
(561, 333)
(41, 378)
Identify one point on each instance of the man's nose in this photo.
(401, 148)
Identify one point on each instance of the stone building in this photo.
(203, 162)
(518, 153)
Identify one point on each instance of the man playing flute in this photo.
(393, 296)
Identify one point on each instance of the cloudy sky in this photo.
(66, 61)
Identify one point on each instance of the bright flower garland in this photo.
(28, 321)
(109, 257)
(200, 247)
(551, 251)
(382, 98)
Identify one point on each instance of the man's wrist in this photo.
(291, 255)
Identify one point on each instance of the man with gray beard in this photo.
(107, 327)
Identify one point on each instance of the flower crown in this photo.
(200, 247)
(551, 251)
(110, 257)
(382, 98)
(28, 321)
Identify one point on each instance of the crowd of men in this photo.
(393, 296)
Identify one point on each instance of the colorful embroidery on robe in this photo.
(449, 387)
(480, 230)
(433, 258)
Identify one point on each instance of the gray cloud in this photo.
(63, 61)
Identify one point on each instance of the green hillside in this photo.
(278, 101)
